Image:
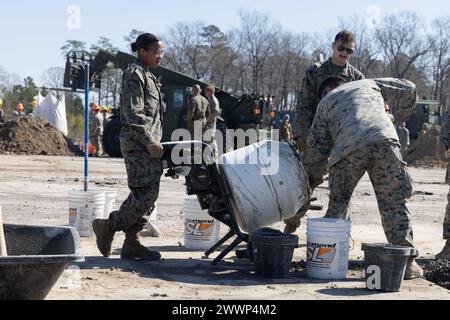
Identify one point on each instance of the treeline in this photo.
(261, 57)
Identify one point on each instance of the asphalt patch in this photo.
(438, 272)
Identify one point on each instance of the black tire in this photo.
(111, 138)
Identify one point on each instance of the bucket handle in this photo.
(353, 242)
(182, 216)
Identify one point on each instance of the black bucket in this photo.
(272, 252)
(385, 266)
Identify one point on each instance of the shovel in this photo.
(3, 252)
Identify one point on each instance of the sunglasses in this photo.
(341, 48)
(157, 52)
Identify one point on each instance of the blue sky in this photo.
(32, 32)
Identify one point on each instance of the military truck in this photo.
(243, 112)
(428, 115)
(429, 112)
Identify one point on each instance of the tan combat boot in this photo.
(151, 231)
(445, 253)
(104, 236)
(289, 229)
(413, 270)
(133, 250)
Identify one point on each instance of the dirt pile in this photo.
(438, 272)
(34, 136)
(428, 163)
(424, 147)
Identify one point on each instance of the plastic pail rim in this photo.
(273, 237)
(329, 222)
(379, 248)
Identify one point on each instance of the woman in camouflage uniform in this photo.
(141, 115)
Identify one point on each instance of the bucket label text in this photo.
(199, 228)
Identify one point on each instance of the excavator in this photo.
(245, 112)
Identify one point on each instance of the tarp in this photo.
(39, 98)
(54, 110)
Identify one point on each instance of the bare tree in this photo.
(399, 36)
(185, 49)
(365, 57)
(131, 37)
(439, 42)
(278, 67)
(321, 44)
(297, 65)
(111, 87)
(8, 80)
(53, 77)
(256, 38)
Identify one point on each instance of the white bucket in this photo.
(84, 207)
(328, 248)
(154, 214)
(201, 231)
(267, 181)
(110, 201)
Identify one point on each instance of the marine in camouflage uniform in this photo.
(286, 134)
(444, 140)
(141, 117)
(352, 134)
(309, 96)
(198, 112)
(96, 131)
(403, 135)
(211, 123)
(214, 108)
(141, 130)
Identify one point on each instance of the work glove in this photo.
(156, 150)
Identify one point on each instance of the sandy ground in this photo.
(34, 190)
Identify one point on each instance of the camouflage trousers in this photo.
(447, 211)
(447, 219)
(391, 182)
(96, 142)
(144, 177)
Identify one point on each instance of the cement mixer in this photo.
(267, 182)
(246, 189)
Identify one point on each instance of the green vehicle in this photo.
(428, 112)
(243, 112)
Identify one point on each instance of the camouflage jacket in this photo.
(95, 124)
(353, 116)
(309, 95)
(445, 130)
(141, 111)
(286, 132)
(214, 110)
(198, 110)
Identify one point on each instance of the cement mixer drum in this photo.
(267, 183)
